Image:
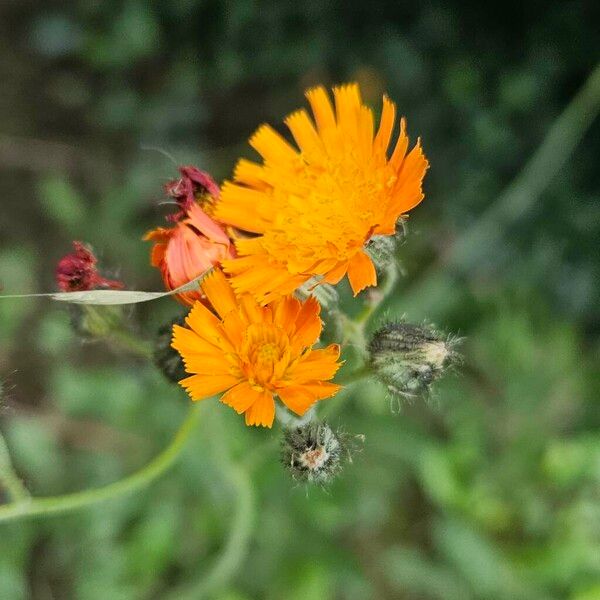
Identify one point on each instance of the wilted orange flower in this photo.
(193, 186)
(196, 242)
(315, 208)
(253, 352)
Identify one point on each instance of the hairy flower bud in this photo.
(312, 452)
(409, 358)
(382, 248)
(95, 322)
(166, 358)
(325, 293)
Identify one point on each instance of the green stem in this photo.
(355, 330)
(132, 344)
(437, 287)
(17, 492)
(237, 544)
(30, 507)
(236, 547)
(389, 282)
(356, 375)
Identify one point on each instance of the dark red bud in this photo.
(76, 272)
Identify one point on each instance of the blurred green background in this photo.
(489, 491)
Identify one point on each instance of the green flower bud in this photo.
(94, 322)
(325, 293)
(312, 452)
(382, 248)
(166, 358)
(409, 358)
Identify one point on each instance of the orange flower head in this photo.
(254, 353)
(194, 244)
(314, 208)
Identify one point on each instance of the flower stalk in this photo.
(16, 490)
(28, 507)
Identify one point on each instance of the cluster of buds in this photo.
(269, 246)
(313, 453)
(409, 358)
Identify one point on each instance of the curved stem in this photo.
(238, 541)
(236, 546)
(30, 507)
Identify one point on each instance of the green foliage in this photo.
(489, 491)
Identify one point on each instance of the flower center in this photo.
(314, 459)
(266, 354)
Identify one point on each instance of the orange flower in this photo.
(253, 352)
(315, 208)
(189, 248)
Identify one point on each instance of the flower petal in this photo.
(238, 206)
(304, 132)
(262, 411)
(219, 293)
(321, 107)
(361, 272)
(241, 397)
(207, 364)
(272, 146)
(200, 387)
(299, 398)
(296, 398)
(336, 274)
(204, 324)
(286, 311)
(318, 364)
(308, 325)
(386, 126)
(204, 224)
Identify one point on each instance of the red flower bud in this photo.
(76, 272)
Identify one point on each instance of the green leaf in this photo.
(113, 297)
